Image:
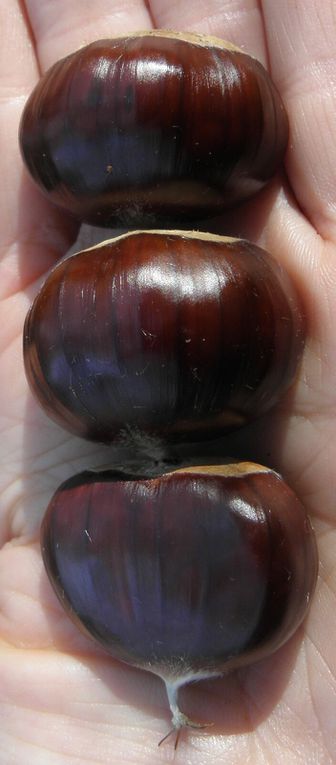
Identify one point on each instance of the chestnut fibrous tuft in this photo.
(187, 574)
(154, 126)
(178, 335)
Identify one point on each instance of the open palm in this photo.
(61, 700)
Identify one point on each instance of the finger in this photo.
(59, 28)
(241, 22)
(238, 21)
(301, 41)
(28, 240)
(15, 81)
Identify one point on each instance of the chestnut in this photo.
(187, 574)
(154, 126)
(176, 335)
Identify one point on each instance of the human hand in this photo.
(62, 700)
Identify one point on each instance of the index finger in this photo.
(62, 27)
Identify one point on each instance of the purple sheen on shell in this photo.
(187, 574)
(178, 335)
(153, 127)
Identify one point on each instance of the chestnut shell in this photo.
(178, 336)
(153, 127)
(189, 573)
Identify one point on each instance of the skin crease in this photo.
(61, 701)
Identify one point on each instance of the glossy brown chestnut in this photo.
(188, 574)
(153, 126)
(172, 334)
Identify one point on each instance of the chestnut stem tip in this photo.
(179, 719)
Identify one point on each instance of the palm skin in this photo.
(62, 701)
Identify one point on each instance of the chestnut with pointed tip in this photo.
(176, 335)
(187, 574)
(154, 126)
